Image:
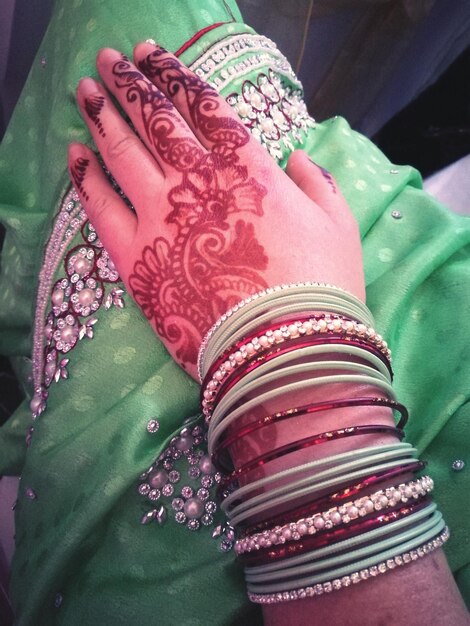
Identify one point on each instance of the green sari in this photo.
(116, 401)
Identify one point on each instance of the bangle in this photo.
(336, 496)
(343, 514)
(307, 442)
(267, 503)
(324, 538)
(288, 352)
(308, 409)
(258, 303)
(352, 549)
(347, 544)
(294, 336)
(359, 571)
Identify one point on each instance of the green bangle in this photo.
(334, 573)
(368, 454)
(346, 544)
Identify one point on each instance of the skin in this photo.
(214, 216)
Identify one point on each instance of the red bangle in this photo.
(306, 442)
(304, 410)
(279, 350)
(332, 498)
(323, 538)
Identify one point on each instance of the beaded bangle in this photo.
(343, 514)
(336, 496)
(427, 514)
(311, 375)
(326, 537)
(288, 353)
(414, 529)
(307, 442)
(351, 574)
(308, 409)
(322, 469)
(257, 304)
(266, 503)
(326, 478)
(261, 344)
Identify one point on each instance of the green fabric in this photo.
(81, 537)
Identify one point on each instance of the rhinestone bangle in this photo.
(355, 577)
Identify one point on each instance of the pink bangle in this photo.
(306, 442)
(304, 410)
(338, 496)
(309, 542)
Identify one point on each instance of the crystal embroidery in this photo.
(181, 483)
(73, 299)
(236, 56)
(273, 113)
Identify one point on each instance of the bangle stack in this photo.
(317, 526)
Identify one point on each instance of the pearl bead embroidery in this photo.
(73, 299)
(182, 482)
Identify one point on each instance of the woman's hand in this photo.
(215, 218)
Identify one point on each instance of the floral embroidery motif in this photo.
(273, 113)
(73, 299)
(182, 482)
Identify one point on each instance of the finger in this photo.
(125, 156)
(115, 224)
(157, 121)
(212, 120)
(316, 182)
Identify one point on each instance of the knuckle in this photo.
(120, 146)
(98, 206)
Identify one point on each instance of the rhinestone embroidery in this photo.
(73, 299)
(276, 115)
(224, 59)
(182, 480)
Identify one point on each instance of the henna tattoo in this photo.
(183, 285)
(93, 106)
(78, 171)
(326, 175)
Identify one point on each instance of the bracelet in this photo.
(307, 486)
(258, 303)
(349, 550)
(346, 492)
(294, 334)
(307, 442)
(344, 577)
(326, 537)
(343, 514)
(308, 409)
(427, 514)
(322, 468)
(287, 352)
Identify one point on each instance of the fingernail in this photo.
(87, 86)
(319, 166)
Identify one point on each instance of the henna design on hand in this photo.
(78, 171)
(93, 106)
(183, 285)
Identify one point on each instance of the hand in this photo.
(215, 218)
